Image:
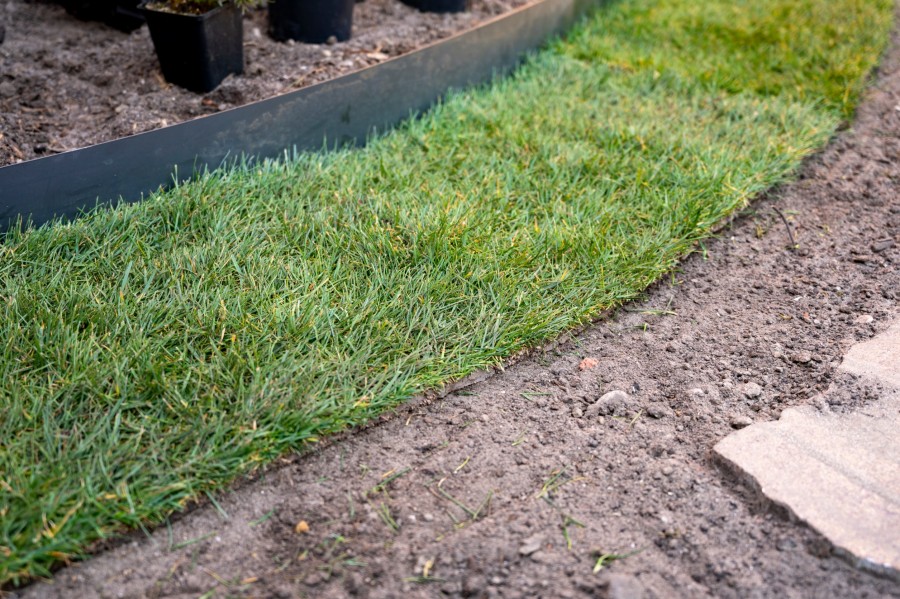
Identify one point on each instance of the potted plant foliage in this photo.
(311, 21)
(198, 42)
(440, 5)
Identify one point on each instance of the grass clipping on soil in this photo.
(154, 352)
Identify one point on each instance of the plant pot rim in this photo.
(147, 5)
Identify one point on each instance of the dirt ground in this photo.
(527, 484)
(66, 84)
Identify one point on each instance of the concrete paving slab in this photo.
(877, 358)
(839, 473)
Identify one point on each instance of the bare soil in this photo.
(518, 484)
(66, 84)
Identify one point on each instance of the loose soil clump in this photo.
(585, 468)
(66, 84)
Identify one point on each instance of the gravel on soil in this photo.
(66, 84)
(514, 487)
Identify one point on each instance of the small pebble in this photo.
(785, 545)
(803, 357)
(607, 404)
(588, 363)
(658, 411)
(751, 390)
(882, 245)
(741, 422)
(531, 544)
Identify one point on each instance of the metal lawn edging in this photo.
(343, 110)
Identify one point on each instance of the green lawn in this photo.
(151, 353)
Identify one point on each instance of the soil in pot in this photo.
(197, 52)
(311, 21)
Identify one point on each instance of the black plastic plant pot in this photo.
(125, 15)
(311, 21)
(88, 10)
(197, 52)
(440, 5)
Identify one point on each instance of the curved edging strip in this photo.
(346, 109)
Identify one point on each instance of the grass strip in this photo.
(152, 353)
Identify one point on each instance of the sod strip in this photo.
(154, 352)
